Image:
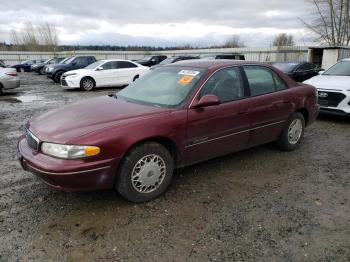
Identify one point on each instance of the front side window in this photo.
(263, 80)
(80, 61)
(226, 84)
(164, 86)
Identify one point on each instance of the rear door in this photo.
(271, 105)
(126, 72)
(218, 130)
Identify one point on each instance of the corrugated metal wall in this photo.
(270, 55)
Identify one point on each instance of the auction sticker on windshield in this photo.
(185, 80)
(189, 72)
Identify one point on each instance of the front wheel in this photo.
(42, 71)
(87, 84)
(57, 77)
(145, 173)
(293, 133)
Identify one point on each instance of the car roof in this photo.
(212, 64)
(115, 60)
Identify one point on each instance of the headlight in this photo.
(49, 69)
(71, 75)
(69, 151)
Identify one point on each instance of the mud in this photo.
(257, 205)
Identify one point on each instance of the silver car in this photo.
(9, 79)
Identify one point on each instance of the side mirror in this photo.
(321, 72)
(100, 68)
(74, 63)
(208, 100)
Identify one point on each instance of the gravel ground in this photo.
(257, 205)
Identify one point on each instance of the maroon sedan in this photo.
(174, 116)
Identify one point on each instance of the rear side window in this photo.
(125, 64)
(226, 84)
(81, 61)
(263, 80)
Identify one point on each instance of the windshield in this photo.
(341, 68)
(285, 67)
(167, 61)
(68, 60)
(164, 86)
(94, 65)
(26, 62)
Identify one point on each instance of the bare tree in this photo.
(35, 38)
(233, 42)
(283, 40)
(48, 36)
(330, 21)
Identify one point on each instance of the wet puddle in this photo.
(22, 99)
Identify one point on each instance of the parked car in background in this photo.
(298, 71)
(2, 63)
(75, 62)
(174, 59)
(223, 56)
(40, 67)
(333, 88)
(175, 115)
(151, 60)
(104, 73)
(9, 79)
(26, 65)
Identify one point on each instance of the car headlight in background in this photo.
(69, 151)
(70, 75)
(49, 69)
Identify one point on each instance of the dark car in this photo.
(151, 60)
(174, 116)
(174, 59)
(26, 65)
(223, 56)
(298, 71)
(40, 67)
(75, 62)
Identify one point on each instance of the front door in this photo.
(218, 130)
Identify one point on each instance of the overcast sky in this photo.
(159, 22)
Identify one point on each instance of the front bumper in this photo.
(70, 82)
(68, 175)
(334, 102)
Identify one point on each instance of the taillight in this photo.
(11, 73)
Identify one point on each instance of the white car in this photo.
(104, 73)
(333, 88)
(9, 79)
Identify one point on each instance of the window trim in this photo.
(266, 68)
(243, 78)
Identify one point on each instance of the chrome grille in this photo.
(33, 141)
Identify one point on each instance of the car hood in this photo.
(73, 121)
(330, 82)
(78, 71)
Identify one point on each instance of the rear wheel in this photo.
(145, 173)
(1, 87)
(87, 84)
(293, 133)
(57, 76)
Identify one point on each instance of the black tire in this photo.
(42, 71)
(1, 87)
(87, 83)
(135, 78)
(57, 77)
(285, 141)
(124, 184)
